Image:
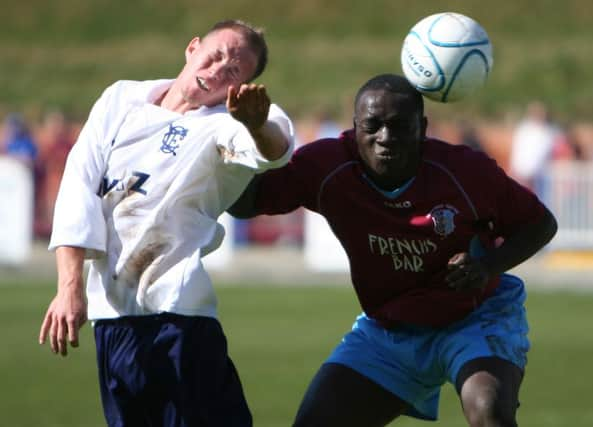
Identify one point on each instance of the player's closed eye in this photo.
(369, 129)
(234, 73)
(370, 126)
(401, 126)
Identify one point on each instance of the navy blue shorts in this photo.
(168, 370)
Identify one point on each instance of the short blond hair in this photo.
(254, 37)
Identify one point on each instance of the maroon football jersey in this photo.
(398, 246)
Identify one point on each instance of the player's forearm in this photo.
(244, 207)
(270, 140)
(70, 265)
(522, 245)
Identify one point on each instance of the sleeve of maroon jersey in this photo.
(503, 200)
(292, 186)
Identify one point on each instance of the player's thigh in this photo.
(489, 386)
(180, 373)
(339, 396)
(204, 386)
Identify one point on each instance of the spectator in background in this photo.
(566, 147)
(532, 147)
(54, 140)
(17, 141)
(469, 136)
(327, 125)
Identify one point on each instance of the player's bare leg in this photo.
(340, 397)
(489, 391)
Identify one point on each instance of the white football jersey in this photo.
(141, 192)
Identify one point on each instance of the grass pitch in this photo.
(277, 337)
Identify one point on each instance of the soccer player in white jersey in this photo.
(154, 166)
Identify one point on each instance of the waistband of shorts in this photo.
(164, 317)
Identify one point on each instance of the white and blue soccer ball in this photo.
(447, 56)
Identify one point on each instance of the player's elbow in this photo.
(244, 206)
(239, 212)
(549, 226)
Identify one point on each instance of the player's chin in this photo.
(384, 171)
(389, 163)
(215, 99)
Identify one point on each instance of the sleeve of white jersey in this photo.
(238, 146)
(78, 216)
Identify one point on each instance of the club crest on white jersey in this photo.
(171, 139)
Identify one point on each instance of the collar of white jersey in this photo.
(155, 88)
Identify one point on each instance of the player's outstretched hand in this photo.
(64, 318)
(466, 272)
(249, 104)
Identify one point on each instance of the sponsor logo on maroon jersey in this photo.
(400, 205)
(407, 254)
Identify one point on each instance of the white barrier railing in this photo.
(16, 211)
(568, 191)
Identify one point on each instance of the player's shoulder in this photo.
(120, 86)
(135, 90)
(314, 161)
(456, 156)
(469, 167)
(341, 148)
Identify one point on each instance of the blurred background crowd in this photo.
(43, 148)
(527, 149)
(535, 115)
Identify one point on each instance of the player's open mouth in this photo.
(387, 154)
(202, 84)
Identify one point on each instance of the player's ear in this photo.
(191, 47)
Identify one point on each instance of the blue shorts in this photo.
(414, 362)
(168, 370)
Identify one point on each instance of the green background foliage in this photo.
(63, 53)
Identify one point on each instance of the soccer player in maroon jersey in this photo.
(421, 222)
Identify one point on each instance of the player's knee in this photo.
(306, 420)
(301, 421)
(313, 413)
(485, 409)
(309, 415)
